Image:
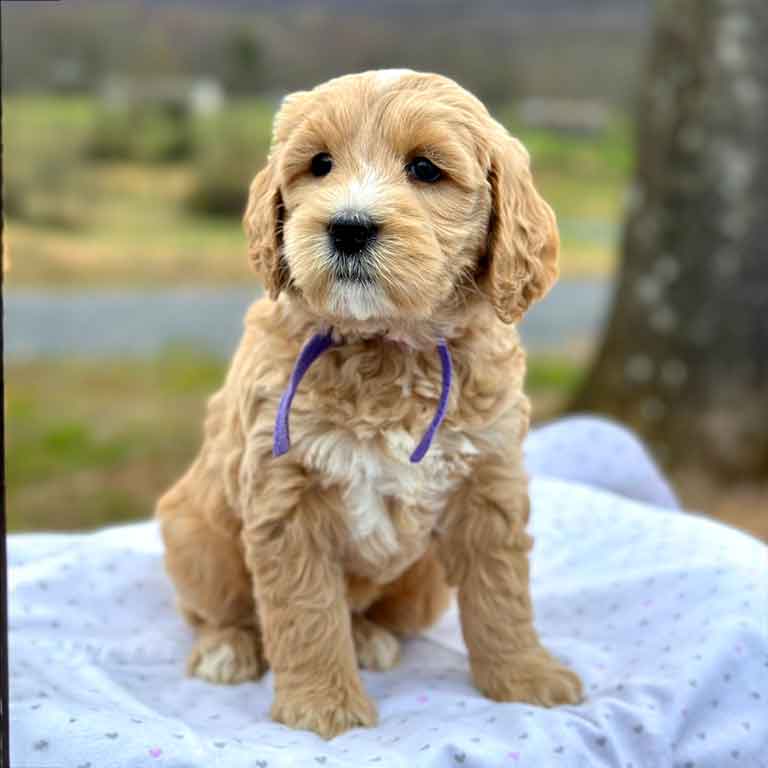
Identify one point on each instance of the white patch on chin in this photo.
(361, 301)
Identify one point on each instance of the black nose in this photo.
(351, 233)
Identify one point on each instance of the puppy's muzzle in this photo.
(351, 233)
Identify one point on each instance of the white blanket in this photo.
(663, 614)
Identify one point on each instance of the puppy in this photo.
(399, 236)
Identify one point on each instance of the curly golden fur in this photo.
(316, 561)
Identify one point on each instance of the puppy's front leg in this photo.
(485, 548)
(291, 551)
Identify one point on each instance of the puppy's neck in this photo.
(453, 325)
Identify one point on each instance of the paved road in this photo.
(41, 323)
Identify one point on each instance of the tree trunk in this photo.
(684, 360)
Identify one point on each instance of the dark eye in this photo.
(424, 170)
(321, 164)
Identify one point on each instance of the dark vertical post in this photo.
(684, 359)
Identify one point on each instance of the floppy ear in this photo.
(523, 241)
(263, 225)
(263, 217)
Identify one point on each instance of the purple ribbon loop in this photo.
(442, 406)
(311, 351)
(315, 347)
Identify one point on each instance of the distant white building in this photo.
(199, 96)
(566, 115)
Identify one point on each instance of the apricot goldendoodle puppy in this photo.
(400, 237)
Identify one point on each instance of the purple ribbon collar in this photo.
(315, 347)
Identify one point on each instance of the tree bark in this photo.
(684, 359)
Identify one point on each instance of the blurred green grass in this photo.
(95, 442)
(95, 197)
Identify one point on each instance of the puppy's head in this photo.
(395, 195)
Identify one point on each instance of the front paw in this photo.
(376, 648)
(328, 715)
(534, 677)
(227, 656)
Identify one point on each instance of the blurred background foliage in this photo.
(131, 132)
(178, 178)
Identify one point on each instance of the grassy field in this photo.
(76, 220)
(91, 443)
(94, 442)
(96, 198)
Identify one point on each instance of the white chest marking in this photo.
(368, 473)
